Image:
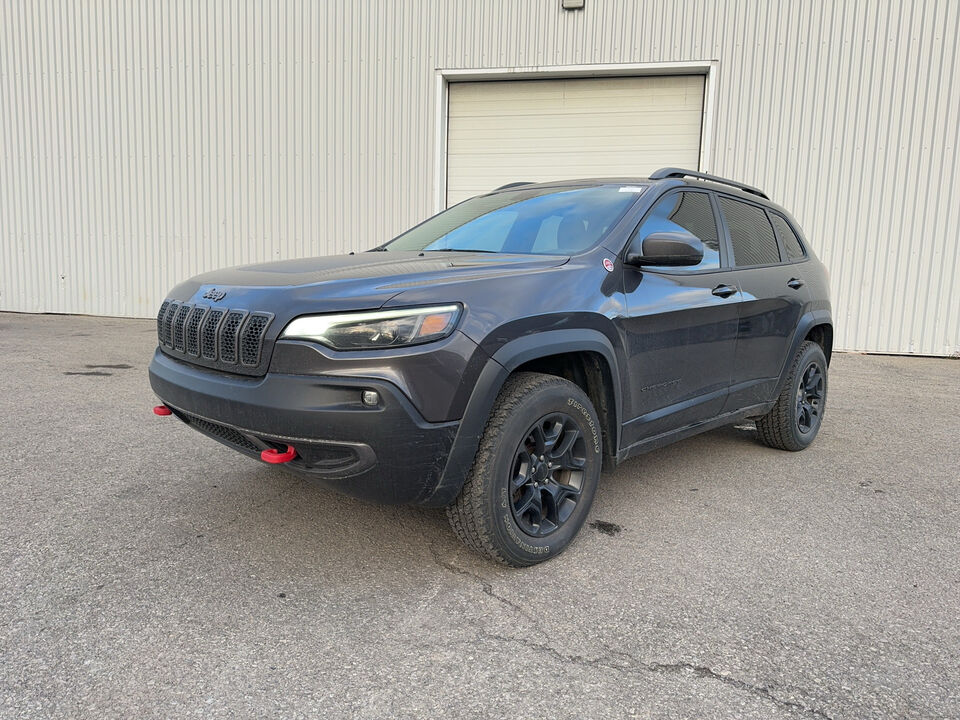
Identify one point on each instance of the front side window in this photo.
(690, 212)
(538, 221)
(750, 233)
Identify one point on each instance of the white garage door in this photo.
(538, 130)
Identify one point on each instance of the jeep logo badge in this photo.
(214, 294)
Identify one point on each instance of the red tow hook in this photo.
(162, 410)
(276, 457)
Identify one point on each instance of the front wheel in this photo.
(535, 472)
(795, 419)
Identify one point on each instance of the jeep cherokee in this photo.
(494, 358)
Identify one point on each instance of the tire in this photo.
(795, 419)
(514, 508)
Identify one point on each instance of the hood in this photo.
(230, 319)
(352, 282)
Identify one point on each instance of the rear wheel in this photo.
(795, 419)
(535, 472)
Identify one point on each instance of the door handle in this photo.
(724, 290)
(795, 283)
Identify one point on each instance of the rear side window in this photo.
(788, 237)
(750, 234)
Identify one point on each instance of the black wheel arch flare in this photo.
(494, 374)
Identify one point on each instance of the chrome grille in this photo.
(221, 338)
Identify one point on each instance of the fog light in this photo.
(370, 397)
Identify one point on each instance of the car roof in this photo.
(664, 183)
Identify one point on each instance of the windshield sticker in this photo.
(632, 188)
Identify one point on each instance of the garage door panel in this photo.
(474, 141)
(574, 87)
(572, 159)
(651, 122)
(486, 179)
(493, 178)
(534, 99)
(500, 132)
(568, 106)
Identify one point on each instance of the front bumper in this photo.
(387, 453)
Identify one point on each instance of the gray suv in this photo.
(493, 359)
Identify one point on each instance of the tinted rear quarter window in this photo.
(751, 234)
(788, 237)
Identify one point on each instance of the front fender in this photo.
(494, 374)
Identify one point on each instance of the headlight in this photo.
(376, 329)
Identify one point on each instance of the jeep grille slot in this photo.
(252, 339)
(228, 336)
(209, 336)
(192, 330)
(221, 338)
(178, 320)
(160, 317)
(166, 334)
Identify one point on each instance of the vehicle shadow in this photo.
(275, 517)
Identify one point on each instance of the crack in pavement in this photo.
(764, 691)
(486, 586)
(629, 664)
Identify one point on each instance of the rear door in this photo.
(681, 325)
(773, 298)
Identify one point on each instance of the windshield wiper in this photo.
(378, 248)
(461, 250)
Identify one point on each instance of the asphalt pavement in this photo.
(146, 571)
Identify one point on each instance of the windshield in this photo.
(538, 221)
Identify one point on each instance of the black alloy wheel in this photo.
(547, 477)
(795, 418)
(535, 473)
(810, 394)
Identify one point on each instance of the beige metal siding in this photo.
(143, 142)
(500, 132)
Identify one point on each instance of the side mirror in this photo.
(671, 249)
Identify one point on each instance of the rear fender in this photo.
(807, 322)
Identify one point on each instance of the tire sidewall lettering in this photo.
(591, 423)
(506, 533)
(508, 525)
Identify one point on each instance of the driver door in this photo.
(680, 329)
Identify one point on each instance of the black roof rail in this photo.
(672, 172)
(515, 184)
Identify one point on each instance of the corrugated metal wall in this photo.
(143, 142)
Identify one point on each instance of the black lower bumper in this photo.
(385, 453)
